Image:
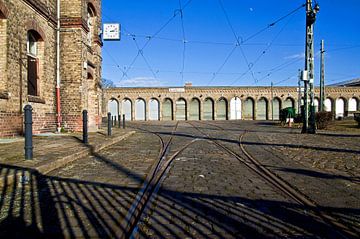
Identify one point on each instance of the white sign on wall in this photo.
(111, 32)
(177, 90)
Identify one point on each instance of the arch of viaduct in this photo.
(219, 103)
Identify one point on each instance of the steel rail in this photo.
(289, 190)
(151, 186)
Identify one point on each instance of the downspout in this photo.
(58, 102)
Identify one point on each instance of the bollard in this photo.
(109, 124)
(119, 119)
(85, 127)
(123, 121)
(28, 132)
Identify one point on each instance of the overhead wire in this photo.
(236, 36)
(184, 43)
(155, 34)
(116, 63)
(223, 64)
(263, 52)
(144, 58)
(274, 23)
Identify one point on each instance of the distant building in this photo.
(28, 30)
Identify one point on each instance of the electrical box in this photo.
(304, 76)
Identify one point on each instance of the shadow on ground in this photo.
(40, 206)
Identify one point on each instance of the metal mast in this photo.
(309, 120)
(322, 77)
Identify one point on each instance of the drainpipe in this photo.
(58, 102)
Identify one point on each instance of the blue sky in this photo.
(211, 57)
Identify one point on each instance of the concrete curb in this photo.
(44, 168)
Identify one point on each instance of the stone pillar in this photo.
(228, 110)
(201, 109)
(160, 110)
(215, 110)
(147, 109)
(255, 109)
(133, 110)
(243, 109)
(173, 112)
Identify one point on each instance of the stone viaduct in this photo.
(220, 103)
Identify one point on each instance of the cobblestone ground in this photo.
(85, 199)
(207, 192)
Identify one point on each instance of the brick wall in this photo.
(77, 92)
(81, 60)
(22, 16)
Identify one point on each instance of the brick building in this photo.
(28, 63)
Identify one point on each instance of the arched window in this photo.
(91, 20)
(33, 54)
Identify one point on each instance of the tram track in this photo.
(152, 183)
(342, 230)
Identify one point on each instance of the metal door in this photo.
(180, 109)
(249, 109)
(167, 110)
(235, 108)
(221, 113)
(140, 109)
(126, 109)
(154, 109)
(340, 108)
(261, 112)
(194, 111)
(288, 103)
(276, 109)
(328, 105)
(208, 109)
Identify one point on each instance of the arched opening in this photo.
(167, 110)
(276, 106)
(140, 109)
(154, 109)
(221, 109)
(235, 108)
(194, 110)
(317, 104)
(339, 108)
(328, 104)
(127, 109)
(353, 106)
(113, 108)
(262, 109)
(249, 109)
(34, 55)
(289, 102)
(208, 109)
(181, 109)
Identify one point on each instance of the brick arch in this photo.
(32, 25)
(4, 12)
(357, 99)
(91, 4)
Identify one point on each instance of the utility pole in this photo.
(299, 93)
(272, 101)
(322, 77)
(309, 122)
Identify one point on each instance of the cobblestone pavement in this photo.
(207, 192)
